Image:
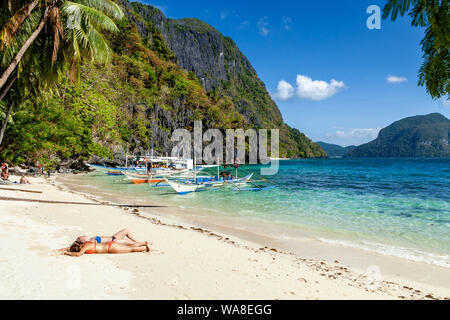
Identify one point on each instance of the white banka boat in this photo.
(183, 176)
(158, 166)
(185, 186)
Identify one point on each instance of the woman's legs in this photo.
(138, 244)
(117, 248)
(122, 234)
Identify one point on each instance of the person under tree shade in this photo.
(4, 171)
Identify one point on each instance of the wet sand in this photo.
(189, 260)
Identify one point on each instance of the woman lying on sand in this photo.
(123, 237)
(78, 248)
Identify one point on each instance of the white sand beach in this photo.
(188, 262)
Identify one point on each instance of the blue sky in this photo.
(334, 69)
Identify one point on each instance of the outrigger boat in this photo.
(107, 170)
(185, 186)
(159, 165)
(114, 173)
(140, 179)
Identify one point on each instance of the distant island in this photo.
(334, 150)
(418, 136)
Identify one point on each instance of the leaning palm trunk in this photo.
(8, 86)
(8, 114)
(12, 66)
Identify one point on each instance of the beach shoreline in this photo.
(298, 241)
(190, 262)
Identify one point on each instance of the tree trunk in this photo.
(22, 50)
(6, 89)
(2, 132)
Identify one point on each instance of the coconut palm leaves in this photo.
(85, 21)
(13, 25)
(59, 32)
(433, 16)
(41, 38)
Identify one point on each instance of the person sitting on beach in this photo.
(24, 180)
(77, 249)
(5, 171)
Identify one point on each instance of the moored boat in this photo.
(141, 178)
(185, 186)
(114, 173)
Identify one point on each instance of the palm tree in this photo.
(76, 26)
(432, 15)
(42, 37)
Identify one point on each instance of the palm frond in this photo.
(12, 26)
(419, 14)
(108, 7)
(28, 26)
(88, 16)
(102, 51)
(57, 27)
(396, 7)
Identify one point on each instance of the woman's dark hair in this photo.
(75, 247)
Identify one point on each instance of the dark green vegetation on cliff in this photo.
(150, 88)
(224, 72)
(334, 150)
(419, 136)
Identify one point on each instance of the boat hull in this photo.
(189, 186)
(141, 181)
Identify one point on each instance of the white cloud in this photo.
(287, 21)
(244, 25)
(285, 91)
(263, 26)
(395, 79)
(223, 15)
(317, 90)
(445, 102)
(355, 133)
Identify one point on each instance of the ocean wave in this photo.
(399, 252)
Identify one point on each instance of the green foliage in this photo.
(113, 105)
(433, 16)
(192, 24)
(419, 136)
(110, 107)
(334, 150)
(58, 131)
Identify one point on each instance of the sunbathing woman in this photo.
(78, 249)
(123, 237)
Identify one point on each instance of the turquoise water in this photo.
(399, 207)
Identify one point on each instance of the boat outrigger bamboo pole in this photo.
(218, 169)
(126, 157)
(195, 170)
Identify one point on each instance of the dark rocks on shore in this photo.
(33, 170)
